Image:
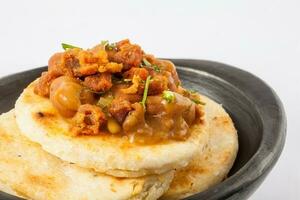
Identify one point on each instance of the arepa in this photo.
(40, 122)
(211, 167)
(28, 171)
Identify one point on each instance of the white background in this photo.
(262, 37)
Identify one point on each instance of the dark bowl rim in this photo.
(267, 154)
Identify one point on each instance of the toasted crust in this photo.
(28, 171)
(213, 165)
(41, 123)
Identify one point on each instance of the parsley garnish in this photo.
(104, 43)
(112, 46)
(68, 46)
(168, 96)
(109, 46)
(156, 68)
(143, 102)
(146, 62)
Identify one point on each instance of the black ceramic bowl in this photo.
(255, 108)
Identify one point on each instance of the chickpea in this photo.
(65, 95)
(113, 126)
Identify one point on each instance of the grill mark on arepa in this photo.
(48, 120)
(5, 137)
(41, 114)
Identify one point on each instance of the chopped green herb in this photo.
(156, 68)
(196, 101)
(143, 102)
(112, 46)
(168, 96)
(146, 62)
(68, 46)
(108, 46)
(105, 101)
(104, 43)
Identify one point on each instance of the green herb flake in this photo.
(168, 96)
(68, 46)
(156, 68)
(146, 62)
(108, 46)
(143, 102)
(104, 43)
(196, 101)
(112, 46)
(104, 101)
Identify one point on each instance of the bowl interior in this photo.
(242, 111)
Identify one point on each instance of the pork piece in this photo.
(117, 91)
(42, 87)
(132, 98)
(157, 85)
(173, 118)
(172, 85)
(88, 97)
(98, 82)
(155, 105)
(85, 70)
(135, 120)
(129, 54)
(87, 63)
(180, 107)
(167, 65)
(122, 43)
(88, 120)
(111, 67)
(137, 82)
(184, 107)
(71, 61)
(74, 62)
(141, 72)
(119, 109)
(60, 64)
(150, 58)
